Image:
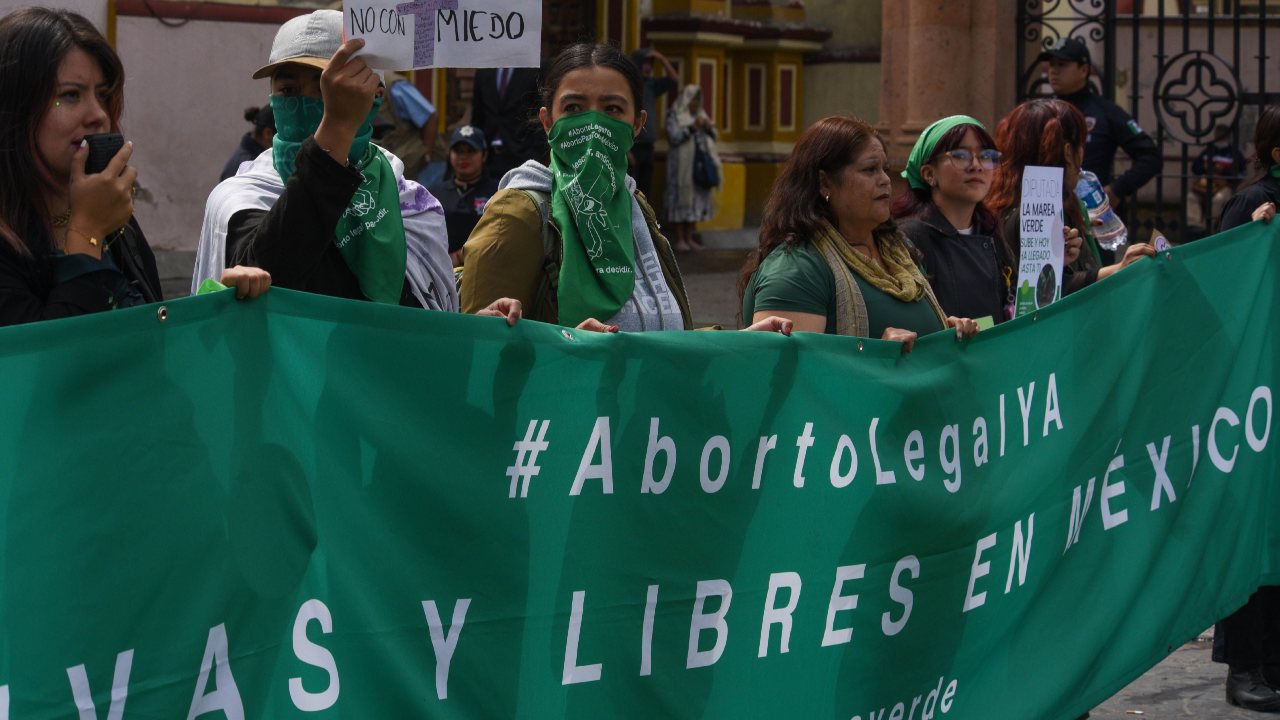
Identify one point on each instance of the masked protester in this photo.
(326, 211)
(574, 242)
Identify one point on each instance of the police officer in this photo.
(466, 188)
(1069, 67)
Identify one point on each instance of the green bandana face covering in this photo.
(297, 118)
(370, 234)
(591, 205)
(1275, 171)
(926, 144)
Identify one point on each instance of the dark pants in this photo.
(642, 170)
(1250, 637)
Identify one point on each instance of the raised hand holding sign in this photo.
(401, 35)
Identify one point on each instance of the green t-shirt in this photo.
(798, 279)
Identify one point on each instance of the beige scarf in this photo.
(902, 281)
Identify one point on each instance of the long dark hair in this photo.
(33, 43)
(588, 55)
(796, 209)
(1036, 133)
(1266, 138)
(914, 201)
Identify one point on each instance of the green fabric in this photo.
(238, 468)
(592, 207)
(1275, 171)
(297, 118)
(798, 280)
(210, 286)
(926, 143)
(370, 234)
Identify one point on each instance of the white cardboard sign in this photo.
(1040, 226)
(403, 35)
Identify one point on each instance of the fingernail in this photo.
(84, 143)
(129, 143)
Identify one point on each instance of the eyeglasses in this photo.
(962, 157)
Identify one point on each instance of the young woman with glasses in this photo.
(963, 253)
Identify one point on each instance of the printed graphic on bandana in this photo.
(586, 195)
(592, 206)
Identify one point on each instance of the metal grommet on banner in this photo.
(1168, 255)
(1035, 316)
(567, 335)
(859, 346)
(162, 313)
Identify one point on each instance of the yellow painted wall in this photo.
(729, 199)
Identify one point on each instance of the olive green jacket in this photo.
(514, 252)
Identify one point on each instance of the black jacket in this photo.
(58, 286)
(510, 117)
(1239, 209)
(294, 239)
(462, 208)
(965, 271)
(1109, 128)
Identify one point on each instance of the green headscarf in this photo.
(370, 234)
(592, 206)
(926, 143)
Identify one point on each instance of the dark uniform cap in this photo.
(1070, 49)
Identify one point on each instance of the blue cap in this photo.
(471, 135)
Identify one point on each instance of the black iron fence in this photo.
(1183, 69)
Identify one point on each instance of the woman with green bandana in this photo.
(574, 242)
(830, 259)
(963, 255)
(325, 210)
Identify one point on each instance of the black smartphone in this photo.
(102, 147)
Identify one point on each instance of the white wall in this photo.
(186, 90)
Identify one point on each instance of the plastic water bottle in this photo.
(1111, 233)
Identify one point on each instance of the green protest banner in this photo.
(300, 505)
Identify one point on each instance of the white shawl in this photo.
(257, 186)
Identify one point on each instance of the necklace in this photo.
(62, 218)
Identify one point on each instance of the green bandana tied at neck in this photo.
(592, 207)
(1275, 171)
(926, 143)
(370, 234)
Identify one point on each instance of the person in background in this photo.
(409, 124)
(1069, 66)
(1050, 132)
(690, 134)
(504, 102)
(1218, 169)
(69, 244)
(1248, 640)
(327, 211)
(255, 142)
(830, 259)
(654, 87)
(964, 256)
(466, 188)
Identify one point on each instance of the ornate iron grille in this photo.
(1181, 68)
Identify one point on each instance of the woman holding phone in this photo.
(69, 244)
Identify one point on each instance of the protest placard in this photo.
(1040, 226)
(401, 35)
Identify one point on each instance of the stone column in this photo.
(943, 58)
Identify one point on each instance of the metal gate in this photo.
(1181, 68)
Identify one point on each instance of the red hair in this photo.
(1037, 132)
